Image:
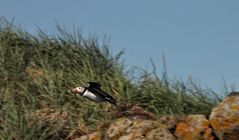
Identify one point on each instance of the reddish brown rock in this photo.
(224, 119)
(195, 127)
(137, 129)
(93, 136)
(171, 121)
(131, 129)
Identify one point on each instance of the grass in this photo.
(38, 71)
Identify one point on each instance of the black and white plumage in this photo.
(94, 92)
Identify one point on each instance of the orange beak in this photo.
(73, 91)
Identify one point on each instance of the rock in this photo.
(92, 136)
(134, 112)
(136, 129)
(171, 121)
(224, 118)
(195, 127)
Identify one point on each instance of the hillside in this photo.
(37, 73)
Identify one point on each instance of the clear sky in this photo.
(199, 38)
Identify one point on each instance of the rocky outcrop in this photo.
(223, 124)
(92, 136)
(194, 127)
(132, 129)
(137, 129)
(171, 121)
(224, 118)
(134, 123)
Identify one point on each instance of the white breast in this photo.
(92, 96)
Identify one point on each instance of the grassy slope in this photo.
(38, 72)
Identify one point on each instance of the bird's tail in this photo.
(113, 102)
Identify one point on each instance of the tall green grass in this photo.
(38, 72)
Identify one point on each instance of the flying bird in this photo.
(94, 93)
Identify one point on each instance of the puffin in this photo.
(94, 93)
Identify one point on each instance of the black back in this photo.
(95, 88)
(94, 85)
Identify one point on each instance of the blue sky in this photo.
(199, 38)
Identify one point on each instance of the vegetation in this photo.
(37, 73)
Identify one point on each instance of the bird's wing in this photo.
(103, 94)
(94, 85)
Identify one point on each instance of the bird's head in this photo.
(78, 90)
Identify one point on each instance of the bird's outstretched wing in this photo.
(103, 94)
(94, 85)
